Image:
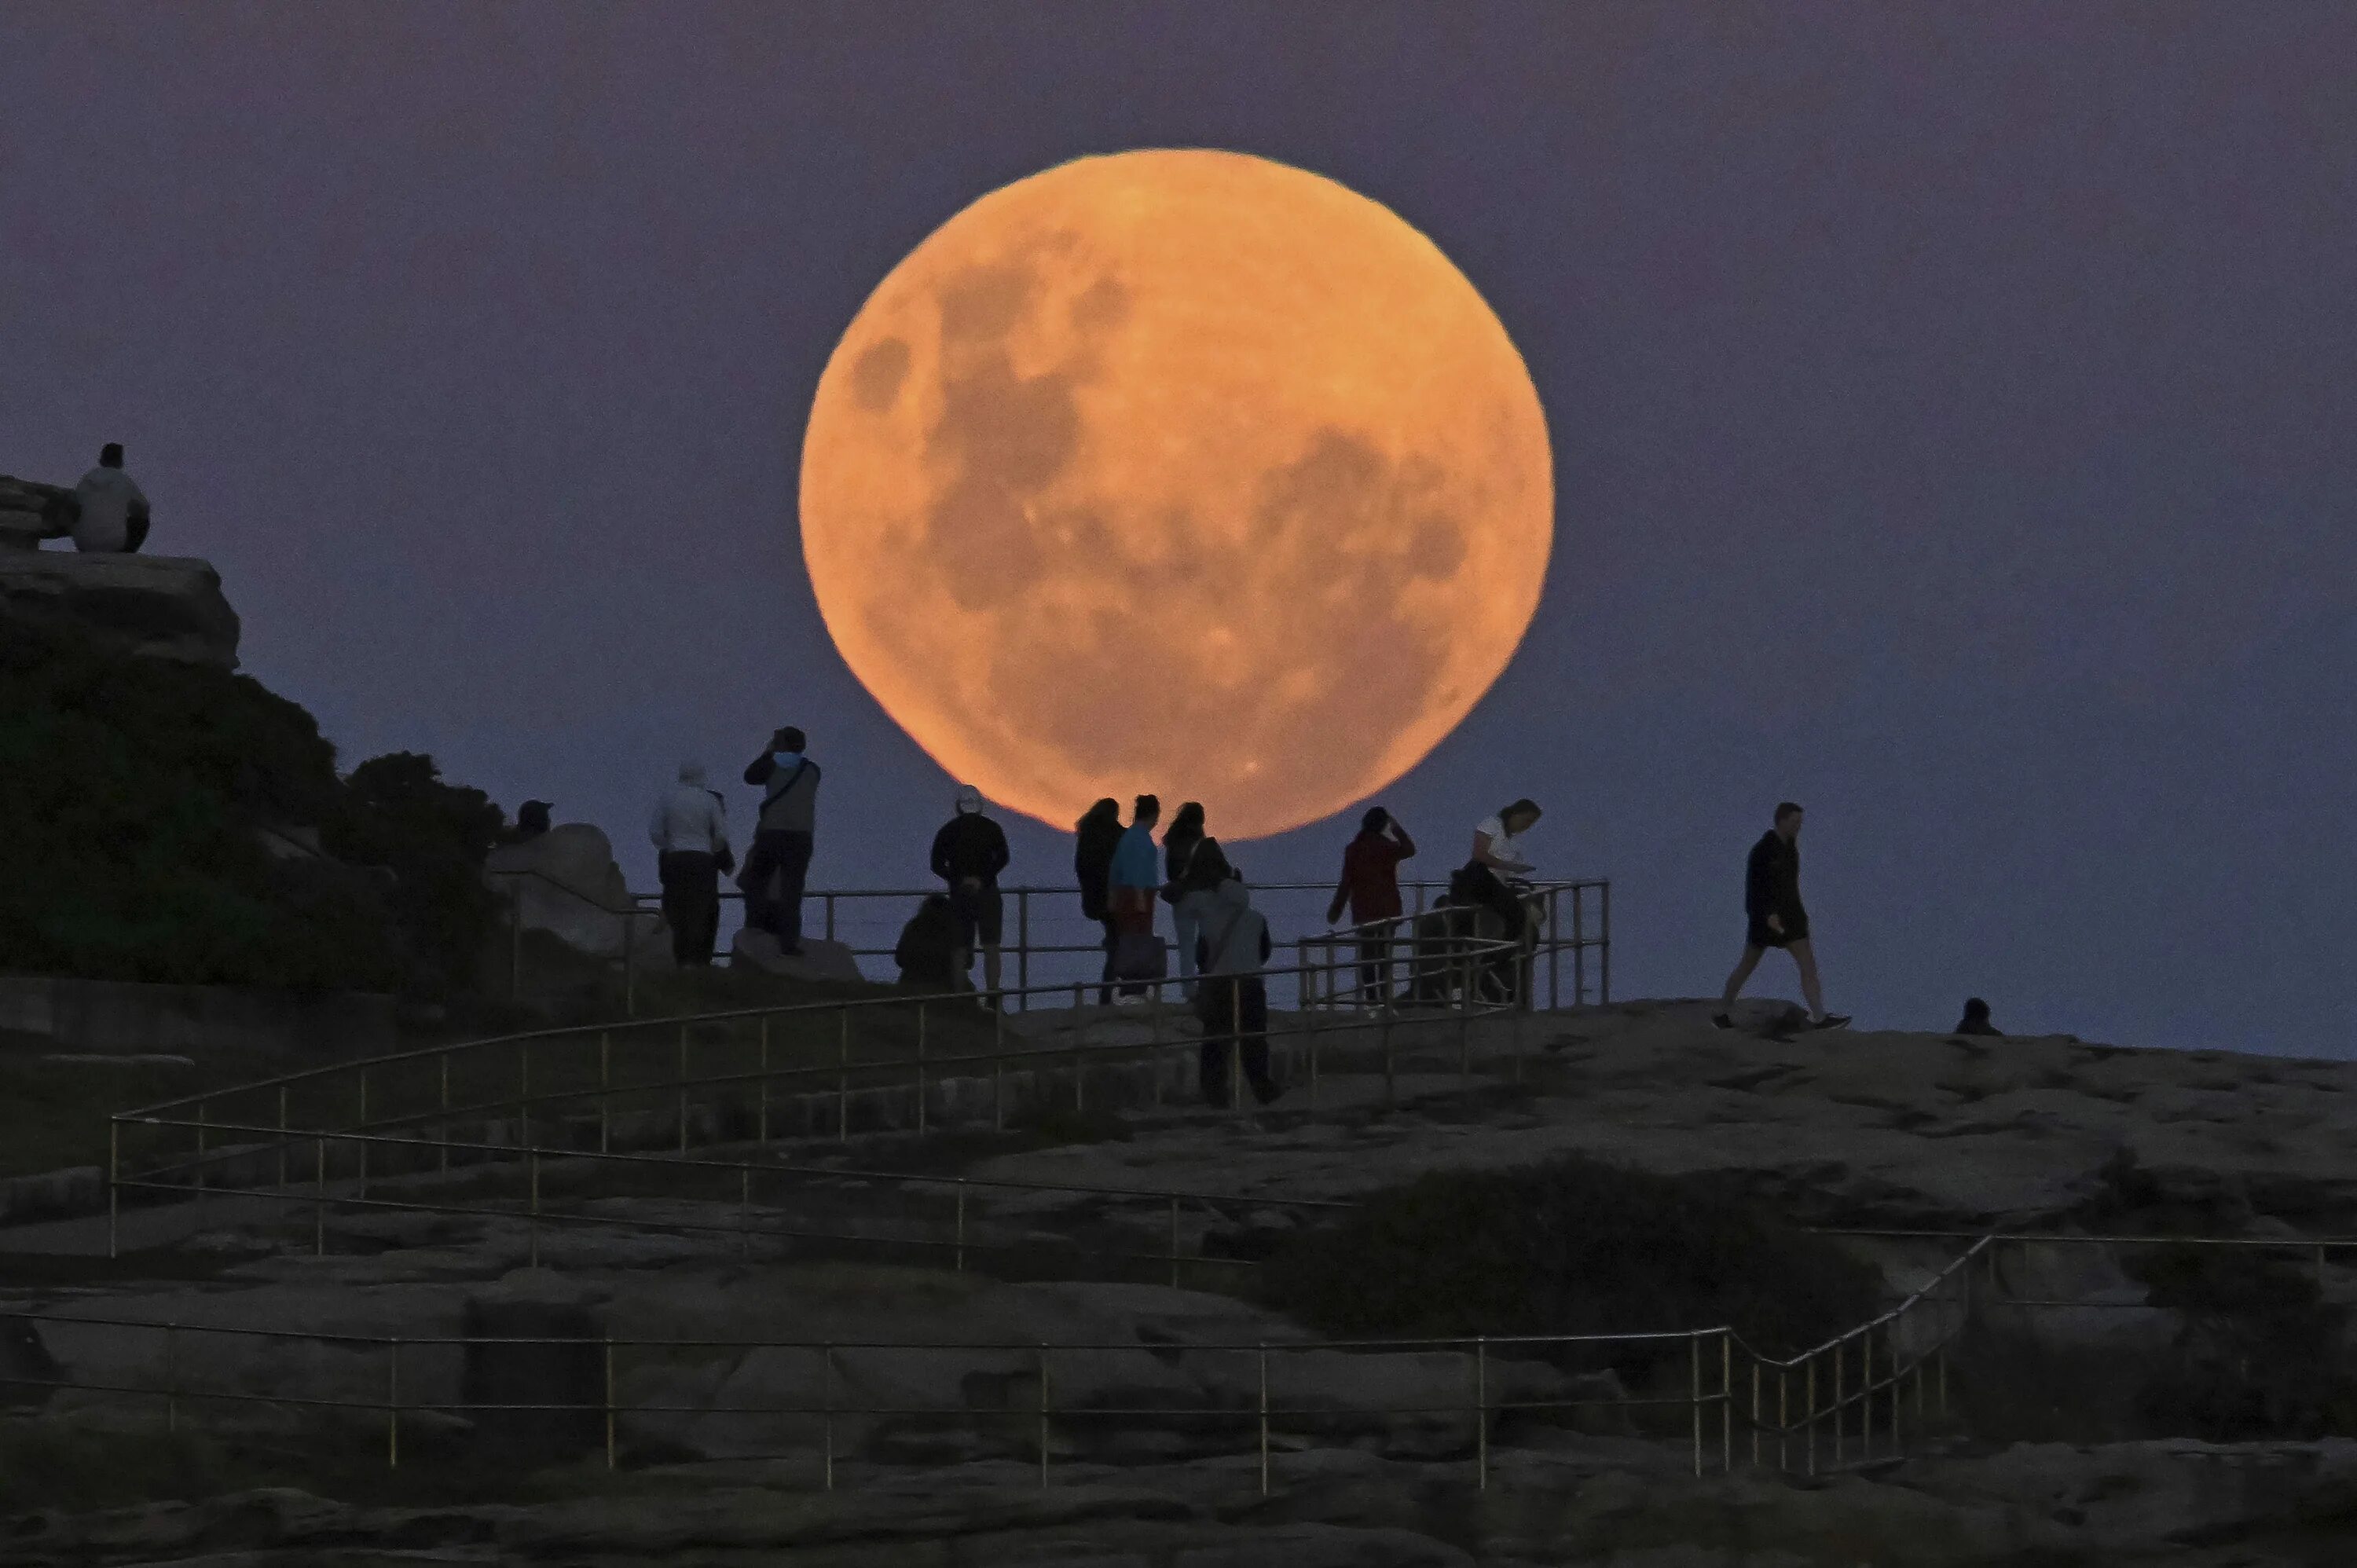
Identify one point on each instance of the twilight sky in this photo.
(1954, 411)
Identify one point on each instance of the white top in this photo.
(1504, 846)
(106, 496)
(689, 817)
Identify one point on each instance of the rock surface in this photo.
(819, 960)
(164, 607)
(29, 513)
(567, 883)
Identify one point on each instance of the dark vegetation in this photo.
(138, 796)
(2261, 1354)
(1572, 1246)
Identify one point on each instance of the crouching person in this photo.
(1232, 998)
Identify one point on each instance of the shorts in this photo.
(978, 910)
(1796, 930)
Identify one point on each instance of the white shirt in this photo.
(689, 817)
(106, 496)
(1504, 846)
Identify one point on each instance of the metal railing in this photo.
(1864, 1394)
(406, 1109)
(1046, 930)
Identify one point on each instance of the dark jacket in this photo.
(969, 845)
(1771, 879)
(1092, 862)
(925, 946)
(789, 798)
(1369, 884)
(1194, 865)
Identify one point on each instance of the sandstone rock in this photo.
(162, 606)
(819, 959)
(567, 883)
(29, 513)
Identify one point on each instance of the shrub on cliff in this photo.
(1572, 1246)
(133, 791)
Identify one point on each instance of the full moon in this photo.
(1176, 471)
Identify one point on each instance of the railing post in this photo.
(1465, 1022)
(1726, 1400)
(1755, 1411)
(763, 1126)
(282, 1135)
(960, 1225)
(609, 1401)
(1604, 953)
(1481, 1413)
(1554, 947)
(1578, 945)
(1390, 1084)
(198, 1170)
(1236, 1045)
(826, 1379)
(393, 1404)
(921, 1067)
(682, 1092)
(114, 1181)
(515, 941)
(1865, 1394)
(843, 1075)
(524, 1097)
(443, 1059)
(1174, 1241)
(744, 1211)
(1263, 1418)
(1841, 1436)
(319, 1207)
(1023, 945)
(605, 1089)
(1043, 1412)
(531, 1225)
(171, 1378)
(1810, 1370)
(1693, 1396)
(630, 963)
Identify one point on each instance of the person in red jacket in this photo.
(1370, 887)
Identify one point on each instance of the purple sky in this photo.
(1955, 413)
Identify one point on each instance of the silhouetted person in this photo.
(1099, 833)
(1774, 917)
(1975, 1020)
(1193, 866)
(1369, 888)
(784, 839)
(690, 830)
(1233, 1002)
(968, 854)
(532, 820)
(111, 510)
(931, 957)
(1497, 856)
(1130, 892)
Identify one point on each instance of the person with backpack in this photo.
(968, 854)
(784, 836)
(1369, 888)
(1232, 1002)
(1193, 866)
(1098, 832)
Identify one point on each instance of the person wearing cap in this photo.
(110, 512)
(968, 854)
(690, 830)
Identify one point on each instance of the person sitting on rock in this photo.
(1975, 1020)
(532, 820)
(931, 963)
(111, 511)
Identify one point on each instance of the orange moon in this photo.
(1180, 471)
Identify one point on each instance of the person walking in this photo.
(968, 854)
(784, 836)
(1098, 832)
(1498, 854)
(690, 830)
(1232, 1003)
(1193, 865)
(112, 510)
(1132, 887)
(1370, 888)
(1774, 917)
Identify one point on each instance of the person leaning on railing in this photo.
(1497, 856)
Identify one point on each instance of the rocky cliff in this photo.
(162, 606)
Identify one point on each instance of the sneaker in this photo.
(1830, 1021)
(1723, 1020)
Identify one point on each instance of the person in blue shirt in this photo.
(1134, 881)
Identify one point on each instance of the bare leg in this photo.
(990, 967)
(1742, 972)
(1807, 959)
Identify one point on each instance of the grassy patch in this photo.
(1572, 1246)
